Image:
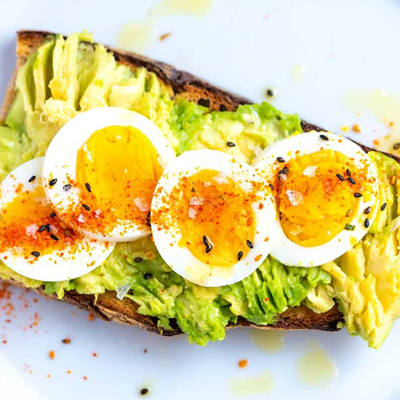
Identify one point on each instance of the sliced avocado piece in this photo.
(127, 93)
(16, 116)
(64, 85)
(43, 73)
(25, 83)
(98, 80)
(388, 169)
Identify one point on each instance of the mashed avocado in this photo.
(68, 76)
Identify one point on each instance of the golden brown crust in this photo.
(182, 85)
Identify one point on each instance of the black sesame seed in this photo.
(396, 146)
(280, 159)
(86, 207)
(348, 172)
(67, 187)
(54, 237)
(32, 178)
(48, 228)
(270, 92)
(250, 244)
(42, 228)
(138, 259)
(367, 210)
(352, 181)
(205, 241)
(383, 206)
(283, 171)
(208, 248)
(53, 182)
(341, 177)
(240, 255)
(271, 186)
(323, 137)
(52, 215)
(357, 195)
(35, 254)
(193, 190)
(230, 144)
(148, 219)
(144, 391)
(147, 275)
(349, 227)
(87, 186)
(366, 222)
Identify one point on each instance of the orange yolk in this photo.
(315, 204)
(117, 172)
(27, 223)
(215, 217)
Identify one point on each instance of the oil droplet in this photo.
(298, 73)
(385, 107)
(196, 8)
(139, 36)
(260, 384)
(270, 341)
(316, 368)
(136, 36)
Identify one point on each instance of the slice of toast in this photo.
(181, 85)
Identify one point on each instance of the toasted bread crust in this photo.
(181, 85)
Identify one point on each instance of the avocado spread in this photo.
(65, 77)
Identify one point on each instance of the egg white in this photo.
(290, 253)
(60, 163)
(51, 267)
(181, 259)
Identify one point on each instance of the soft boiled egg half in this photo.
(101, 170)
(212, 218)
(34, 241)
(325, 189)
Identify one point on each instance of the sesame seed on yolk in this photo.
(315, 208)
(117, 172)
(214, 215)
(28, 223)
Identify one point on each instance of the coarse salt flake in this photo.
(294, 197)
(310, 171)
(142, 204)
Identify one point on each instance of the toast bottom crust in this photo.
(109, 308)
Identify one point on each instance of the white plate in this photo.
(342, 46)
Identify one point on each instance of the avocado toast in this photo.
(201, 313)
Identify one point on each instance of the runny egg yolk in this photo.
(28, 224)
(315, 196)
(215, 217)
(117, 171)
